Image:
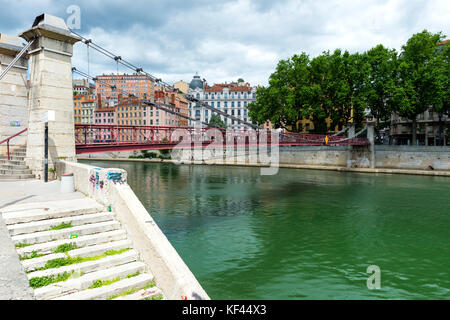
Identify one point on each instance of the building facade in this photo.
(140, 86)
(182, 86)
(83, 87)
(231, 98)
(83, 109)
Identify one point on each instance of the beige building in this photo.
(182, 86)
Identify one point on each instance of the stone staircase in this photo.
(15, 168)
(77, 250)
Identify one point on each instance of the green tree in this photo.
(418, 80)
(380, 84)
(442, 103)
(216, 122)
(283, 102)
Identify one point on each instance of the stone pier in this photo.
(50, 90)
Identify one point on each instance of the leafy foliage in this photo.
(335, 88)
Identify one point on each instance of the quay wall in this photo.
(386, 157)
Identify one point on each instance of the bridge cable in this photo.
(118, 59)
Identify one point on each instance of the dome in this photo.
(196, 83)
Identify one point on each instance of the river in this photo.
(301, 234)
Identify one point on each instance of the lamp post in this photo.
(48, 115)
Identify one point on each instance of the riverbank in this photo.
(442, 173)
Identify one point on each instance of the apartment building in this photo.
(231, 98)
(140, 86)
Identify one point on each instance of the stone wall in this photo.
(409, 157)
(389, 157)
(13, 99)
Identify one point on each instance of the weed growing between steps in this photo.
(158, 297)
(132, 290)
(62, 225)
(33, 254)
(60, 262)
(38, 282)
(22, 245)
(65, 247)
(101, 283)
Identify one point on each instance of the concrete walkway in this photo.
(14, 283)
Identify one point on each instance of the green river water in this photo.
(301, 234)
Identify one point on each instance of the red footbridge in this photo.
(97, 138)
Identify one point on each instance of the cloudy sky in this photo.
(227, 39)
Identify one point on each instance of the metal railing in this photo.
(8, 139)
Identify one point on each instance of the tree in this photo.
(380, 84)
(216, 122)
(442, 103)
(418, 81)
(284, 100)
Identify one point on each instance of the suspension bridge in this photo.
(97, 138)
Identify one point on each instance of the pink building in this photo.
(107, 116)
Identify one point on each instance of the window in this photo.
(218, 104)
(212, 104)
(239, 104)
(254, 95)
(226, 104)
(239, 95)
(232, 104)
(245, 95)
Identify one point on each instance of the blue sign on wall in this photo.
(15, 123)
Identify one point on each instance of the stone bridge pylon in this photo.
(49, 68)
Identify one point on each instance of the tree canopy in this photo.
(337, 87)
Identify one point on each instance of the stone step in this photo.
(90, 251)
(28, 212)
(105, 292)
(45, 236)
(16, 176)
(13, 166)
(12, 157)
(85, 281)
(82, 241)
(142, 294)
(12, 161)
(17, 153)
(14, 171)
(43, 225)
(89, 266)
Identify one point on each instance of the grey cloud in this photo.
(223, 40)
